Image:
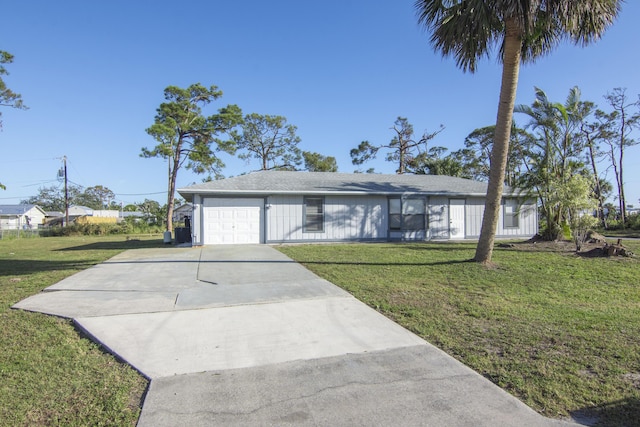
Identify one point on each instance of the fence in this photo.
(19, 234)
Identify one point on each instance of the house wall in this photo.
(366, 218)
(438, 212)
(345, 218)
(197, 224)
(527, 223)
(14, 222)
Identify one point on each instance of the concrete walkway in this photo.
(243, 335)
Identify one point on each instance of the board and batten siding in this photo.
(345, 218)
(527, 220)
(438, 211)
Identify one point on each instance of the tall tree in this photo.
(616, 128)
(316, 162)
(153, 212)
(476, 155)
(402, 150)
(271, 140)
(8, 98)
(523, 30)
(556, 154)
(52, 198)
(434, 162)
(98, 197)
(591, 133)
(188, 138)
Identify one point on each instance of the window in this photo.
(407, 214)
(413, 212)
(313, 214)
(510, 213)
(395, 214)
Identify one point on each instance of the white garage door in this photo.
(232, 221)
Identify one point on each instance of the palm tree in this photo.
(523, 30)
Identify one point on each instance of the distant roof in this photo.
(285, 182)
(16, 209)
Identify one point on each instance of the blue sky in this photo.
(93, 74)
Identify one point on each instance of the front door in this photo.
(456, 218)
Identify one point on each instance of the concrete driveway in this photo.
(243, 335)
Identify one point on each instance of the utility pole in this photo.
(66, 193)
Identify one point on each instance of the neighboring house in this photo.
(182, 212)
(278, 206)
(18, 217)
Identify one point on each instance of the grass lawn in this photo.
(49, 374)
(559, 331)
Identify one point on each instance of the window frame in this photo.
(405, 217)
(396, 215)
(319, 228)
(510, 219)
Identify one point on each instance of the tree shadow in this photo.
(119, 245)
(388, 264)
(625, 412)
(24, 267)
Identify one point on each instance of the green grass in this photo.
(559, 331)
(49, 373)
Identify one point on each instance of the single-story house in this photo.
(282, 206)
(16, 217)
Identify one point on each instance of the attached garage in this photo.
(233, 220)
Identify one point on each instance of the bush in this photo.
(633, 221)
(89, 229)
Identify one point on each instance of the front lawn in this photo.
(559, 331)
(49, 374)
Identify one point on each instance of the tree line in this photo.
(189, 139)
(562, 147)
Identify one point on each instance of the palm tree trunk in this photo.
(500, 150)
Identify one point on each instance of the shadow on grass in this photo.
(624, 412)
(388, 264)
(22, 267)
(119, 245)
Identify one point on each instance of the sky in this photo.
(93, 74)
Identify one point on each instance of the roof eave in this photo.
(204, 192)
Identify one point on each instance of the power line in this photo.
(141, 194)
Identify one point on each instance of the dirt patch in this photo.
(590, 249)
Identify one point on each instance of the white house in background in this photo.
(18, 217)
(182, 212)
(279, 206)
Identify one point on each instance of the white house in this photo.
(279, 206)
(17, 217)
(182, 212)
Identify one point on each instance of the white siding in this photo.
(14, 222)
(197, 223)
(475, 211)
(527, 221)
(364, 218)
(345, 218)
(438, 209)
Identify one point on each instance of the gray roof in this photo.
(315, 183)
(18, 210)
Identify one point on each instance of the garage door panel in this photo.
(233, 221)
